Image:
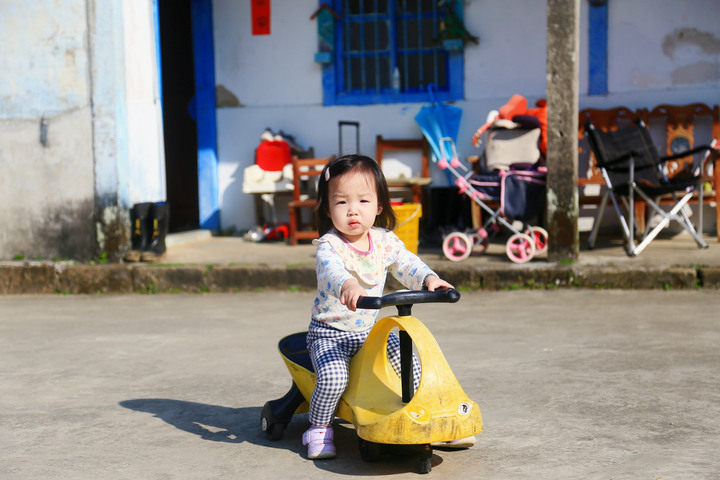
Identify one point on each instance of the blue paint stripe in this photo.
(158, 55)
(203, 56)
(597, 45)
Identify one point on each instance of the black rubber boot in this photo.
(140, 234)
(158, 221)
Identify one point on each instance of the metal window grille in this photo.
(390, 47)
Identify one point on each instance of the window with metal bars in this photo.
(389, 51)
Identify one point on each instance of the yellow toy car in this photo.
(380, 404)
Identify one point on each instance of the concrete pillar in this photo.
(563, 19)
(109, 111)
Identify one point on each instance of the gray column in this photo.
(109, 112)
(563, 18)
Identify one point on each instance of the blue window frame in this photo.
(390, 51)
(597, 46)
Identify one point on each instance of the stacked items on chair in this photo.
(511, 186)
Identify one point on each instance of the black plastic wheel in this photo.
(425, 466)
(269, 424)
(276, 432)
(369, 451)
(425, 459)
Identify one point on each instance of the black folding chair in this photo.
(631, 166)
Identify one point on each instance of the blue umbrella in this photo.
(440, 124)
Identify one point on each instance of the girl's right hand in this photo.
(350, 292)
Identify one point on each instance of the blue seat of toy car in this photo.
(294, 348)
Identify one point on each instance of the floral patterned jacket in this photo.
(337, 261)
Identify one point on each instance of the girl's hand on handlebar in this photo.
(433, 282)
(350, 292)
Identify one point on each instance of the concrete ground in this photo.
(573, 384)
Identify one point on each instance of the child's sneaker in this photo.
(466, 442)
(319, 441)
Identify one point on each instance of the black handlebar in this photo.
(408, 298)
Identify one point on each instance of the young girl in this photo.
(355, 252)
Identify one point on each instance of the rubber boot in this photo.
(140, 235)
(159, 219)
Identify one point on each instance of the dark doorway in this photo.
(180, 128)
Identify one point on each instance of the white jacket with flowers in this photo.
(337, 261)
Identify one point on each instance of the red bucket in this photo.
(272, 156)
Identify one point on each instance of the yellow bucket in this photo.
(408, 224)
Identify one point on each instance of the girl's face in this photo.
(353, 204)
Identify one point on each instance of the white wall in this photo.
(146, 155)
(87, 67)
(670, 56)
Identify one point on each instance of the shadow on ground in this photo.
(237, 425)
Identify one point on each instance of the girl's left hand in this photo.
(433, 282)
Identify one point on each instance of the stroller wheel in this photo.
(540, 235)
(457, 246)
(520, 248)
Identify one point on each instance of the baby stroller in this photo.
(512, 181)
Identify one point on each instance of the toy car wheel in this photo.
(520, 248)
(425, 459)
(369, 451)
(540, 235)
(277, 431)
(274, 430)
(457, 246)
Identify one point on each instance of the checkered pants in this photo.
(330, 352)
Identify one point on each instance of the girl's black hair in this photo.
(341, 165)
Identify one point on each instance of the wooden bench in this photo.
(676, 125)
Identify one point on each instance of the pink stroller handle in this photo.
(443, 163)
(455, 162)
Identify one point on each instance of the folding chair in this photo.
(631, 166)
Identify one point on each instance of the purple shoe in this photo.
(319, 441)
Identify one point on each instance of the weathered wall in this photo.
(47, 192)
(670, 56)
(46, 188)
(80, 129)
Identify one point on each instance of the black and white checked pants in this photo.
(330, 352)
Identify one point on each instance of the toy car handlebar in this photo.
(409, 297)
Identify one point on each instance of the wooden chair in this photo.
(418, 180)
(305, 171)
(676, 125)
